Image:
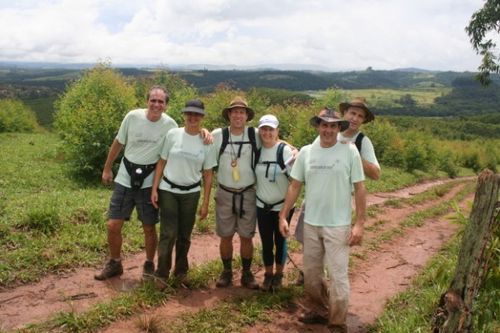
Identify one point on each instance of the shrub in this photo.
(16, 117)
(419, 153)
(89, 115)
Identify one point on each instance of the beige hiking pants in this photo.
(327, 247)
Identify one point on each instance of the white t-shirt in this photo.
(232, 150)
(186, 157)
(272, 181)
(142, 139)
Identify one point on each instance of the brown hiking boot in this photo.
(268, 281)
(225, 279)
(248, 280)
(277, 281)
(111, 269)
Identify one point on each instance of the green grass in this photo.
(49, 222)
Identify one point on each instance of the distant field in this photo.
(390, 98)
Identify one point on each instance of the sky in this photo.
(333, 35)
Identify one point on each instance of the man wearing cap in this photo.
(141, 133)
(235, 195)
(329, 169)
(184, 161)
(356, 112)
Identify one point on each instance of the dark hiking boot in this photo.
(160, 282)
(313, 318)
(111, 269)
(148, 269)
(268, 281)
(277, 281)
(248, 280)
(182, 280)
(225, 279)
(338, 328)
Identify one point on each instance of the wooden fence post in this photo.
(454, 311)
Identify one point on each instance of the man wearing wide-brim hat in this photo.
(329, 169)
(236, 146)
(358, 113)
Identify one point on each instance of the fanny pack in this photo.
(138, 172)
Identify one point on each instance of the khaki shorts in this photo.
(229, 219)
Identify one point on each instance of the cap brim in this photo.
(268, 125)
(194, 110)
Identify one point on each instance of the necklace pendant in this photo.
(235, 172)
(234, 163)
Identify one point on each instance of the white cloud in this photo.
(338, 34)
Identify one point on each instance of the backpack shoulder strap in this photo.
(253, 142)
(225, 140)
(359, 140)
(279, 156)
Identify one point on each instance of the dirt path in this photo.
(77, 291)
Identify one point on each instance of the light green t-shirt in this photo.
(142, 139)
(328, 174)
(225, 171)
(272, 181)
(186, 157)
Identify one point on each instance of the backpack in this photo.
(358, 141)
(279, 158)
(251, 141)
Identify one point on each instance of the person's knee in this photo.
(115, 227)
(246, 241)
(149, 229)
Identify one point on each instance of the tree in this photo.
(88, 117)
(483, 22)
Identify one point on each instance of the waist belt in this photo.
(182, 187)
(236, 193)
(270, 206)
(138, 172)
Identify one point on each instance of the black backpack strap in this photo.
(358, 141)
(253, 142)
(225, 140)
(279, 156)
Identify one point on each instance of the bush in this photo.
(16, 117)
(89, 115)
(419, 152)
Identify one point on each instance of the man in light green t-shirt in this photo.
(329, 169)
(141, 133)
